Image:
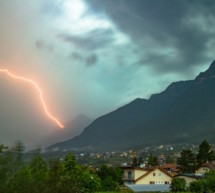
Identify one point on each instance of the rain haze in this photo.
(91, 57)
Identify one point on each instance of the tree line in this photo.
(189, 162)
(56, 175)
(205, 185)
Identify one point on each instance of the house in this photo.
(189, 177)
(130, 173)
(170, 168)
(206, 167)
(153, 176)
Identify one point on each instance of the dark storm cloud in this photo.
(91, 60)
(139, 18)
(92, 40)
(189, 50)
(176, 24)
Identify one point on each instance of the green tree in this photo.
(152, 160)
(187, 161)
(76, 179)
(10, 163)
(17, 154)
(210, 180)
(111, 178)
(103, 172)
(108, 184)
(71, 178)
(22, 182)
(197, 186)
(6, 168)
(3, 148)
(178, 185)
(170, 159)
(54, 175)
(90, 181)
(116, 174)
(135, 162)
(205, 153)
(140, 161)
(18, 149)
(39, 172)
(69, 162)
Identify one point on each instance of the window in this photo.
(159, 174)
(166, 182)
(129, 174)
(151, 182)
(154, 174)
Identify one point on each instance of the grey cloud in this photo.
(141, 18)
(167, 24)
(52, 8)
(76, 56)
(92, 40)
(189, 51)
(91, 60)
(50, 48)
(39, 44)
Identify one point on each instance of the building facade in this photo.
(153, 176)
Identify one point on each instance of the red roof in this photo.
(172, 167)
(210, 165)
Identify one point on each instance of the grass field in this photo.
(123, 190)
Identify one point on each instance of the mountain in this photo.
(184, 112)
(72, 129)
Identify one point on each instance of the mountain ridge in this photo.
(182, 110)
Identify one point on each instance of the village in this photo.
(155, 168)
(156, 175)
(164, 154)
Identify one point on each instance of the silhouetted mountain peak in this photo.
(211, 69)
(173, 91)
(212, 65)
(209, 73)
(139, 101)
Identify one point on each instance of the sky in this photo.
(93, 56)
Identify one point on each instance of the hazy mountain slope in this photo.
(184, 112)
(72, 129)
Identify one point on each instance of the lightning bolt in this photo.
(36, 86)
